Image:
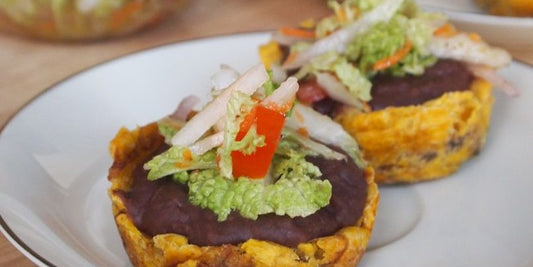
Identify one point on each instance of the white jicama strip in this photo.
(462, 47)
(286, 40)
(206, 144)
(224, 77)
(317, 147)
(285, 93)
(321, 149)
(323, 129)
(491, 76)
(219, 125)
(278, 74)
(336, 90)
(205, 119)
(338, 40)
(185, 107)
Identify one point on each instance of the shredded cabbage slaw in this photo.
(249, 165)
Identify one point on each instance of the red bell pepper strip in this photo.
(269, 123)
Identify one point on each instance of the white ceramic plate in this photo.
(54, 161)
(508, 32)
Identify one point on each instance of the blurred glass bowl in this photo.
(74, 20)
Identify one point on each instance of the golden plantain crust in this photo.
(423, 142)
(519, 8)
(130, 148)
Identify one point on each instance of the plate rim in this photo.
(12, 237)
(5, 229)
(21, 246)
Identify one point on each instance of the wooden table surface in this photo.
(28, 67)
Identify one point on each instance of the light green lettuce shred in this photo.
(249, 143)
(181, 177)
(365, 5)
(382, 41)
(386, 38)
(351, 10)
(326, 26)
(295, 141)
(358, 85)
(168, 127)
(297, 191)
(299, 46)
(326, 61)
(270, 85)
(297, 196)
(293, 164)
(175, 160)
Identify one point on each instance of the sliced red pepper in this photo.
(310, 92)
(269, 123)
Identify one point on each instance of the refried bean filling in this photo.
(161, 206)
(389, 91)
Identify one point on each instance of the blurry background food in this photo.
(521, 8)
(83, 19)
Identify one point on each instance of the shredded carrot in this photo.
(291, 57)
(187, 155)
(299, 117)
(384, 63)
(474, 37)
(303, 132)
(124, 14)
(297, 32)
(446, 30)
(187, 159)
(182, 165)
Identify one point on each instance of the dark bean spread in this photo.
(390, 91)
(328, 106)
(445, 76)
(161, 207)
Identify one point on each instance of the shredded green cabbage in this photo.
(168, 127)
(355, 66)
(249, 143)
(270, 85)
(357, 83)
(365, 5)
(294, 141)
(239, 105)
(297, 191)
(295, 196)
(289, 161)
(177, 159)
(385, 39)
